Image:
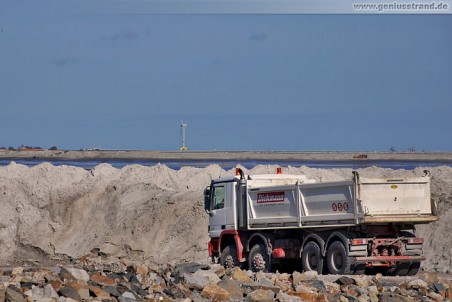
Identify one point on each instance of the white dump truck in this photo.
(263, 222)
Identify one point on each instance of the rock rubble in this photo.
(199, 282)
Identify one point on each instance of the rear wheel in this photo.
(259, 260)
(337, 260)
(228, 258)
(360, 269)
(402, 269)
(311, 258)
(414, 268)
(385, 271)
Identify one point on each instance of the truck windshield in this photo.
(218, 198)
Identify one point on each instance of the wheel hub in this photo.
(313, 261)
(338, 260)
(259, 262)
(229, 262)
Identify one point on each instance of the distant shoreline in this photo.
(86, 155)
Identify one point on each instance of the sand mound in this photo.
(149, 214)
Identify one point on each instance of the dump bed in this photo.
(339, 204)
(302, 205)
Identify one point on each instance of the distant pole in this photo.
(183, 126)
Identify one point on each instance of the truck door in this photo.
(221, 209)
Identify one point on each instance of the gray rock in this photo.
(13, 294)
(209, 275)
(318, 285)
(394, 289)
(435, 296)
(78, 274)
(361, 281)
(35, 292)
(305, 276)
(175, 293)
(283, 297)
(373, 295)
(138, 290)
(17, 271)
(345, 297)
(260, 295)
(417, 283)
(122, 299)
(113, 276)
(128, 295)
(123, 287)
(251, 287)
(44, 299)
(196, 297)
(265, 282)
(259, 275)
(305, 288)
(65, 299)
(112, 290)
(84, 293)
(153, 276)
(332, 288)
(438, 287)
(233, 288)
(187, 268)
(392, 297)
(345, 281)
(197, 283)
(49, 292)
(362, 291)
(70, 292)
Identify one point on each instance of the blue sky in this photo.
(75, 78)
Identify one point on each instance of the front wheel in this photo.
(259, 260)
(311, 258)
(337, 259)
(228, 258)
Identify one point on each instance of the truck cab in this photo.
(221, 204)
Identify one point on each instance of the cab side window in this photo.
(218, 198)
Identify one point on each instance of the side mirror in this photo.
(207, 200)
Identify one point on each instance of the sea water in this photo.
(322, 164)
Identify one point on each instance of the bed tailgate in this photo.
(396, 200)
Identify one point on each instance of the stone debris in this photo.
(196, 282)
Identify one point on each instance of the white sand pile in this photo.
(150, 214)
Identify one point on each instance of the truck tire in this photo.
(311, 258)
(401, 269)
(228, 257)
(337, 260)
(258, 259)
(360, 269)
(414, 268)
